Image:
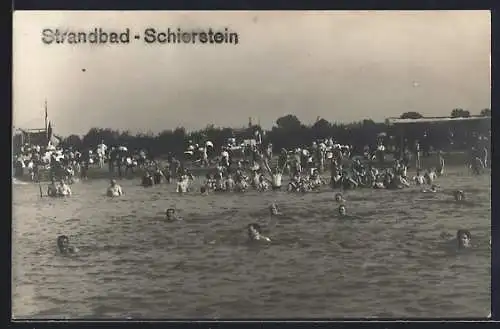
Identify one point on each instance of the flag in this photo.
(46, 114)
(49, 132)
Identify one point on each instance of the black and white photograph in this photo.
(251, 165)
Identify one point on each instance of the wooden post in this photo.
(46, 118)
(401, 132)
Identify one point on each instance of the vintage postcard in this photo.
(251, 165)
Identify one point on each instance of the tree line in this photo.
(288, 132)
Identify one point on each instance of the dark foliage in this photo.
(289, 132)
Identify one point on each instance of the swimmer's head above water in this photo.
(112, 182)
(63, 243)
(459, 195)
(342, 210)
(170, 214)
(339, 197)
(255, 233)
(464, 238)
(273, 209)
(64, 246)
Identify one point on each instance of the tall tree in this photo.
(288, 122)
(485, 113)
(459, 113)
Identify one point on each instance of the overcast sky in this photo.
(341, 66)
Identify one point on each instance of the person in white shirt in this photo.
(225, 158)
(101, 153)
(63, 189)
(419, 179)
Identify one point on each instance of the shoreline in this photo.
(94, 173)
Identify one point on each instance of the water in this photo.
(390, 262)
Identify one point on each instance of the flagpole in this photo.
(46, 127)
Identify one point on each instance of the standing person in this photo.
(425, 144)
(36, 170)
(101, 153)
(204, 155)
(381, 152)
(269, 152)
(440, 164)
(111, 159)
(366, 152)
(483, 144)
(406, 157)
(283, 159)
(417, 154)
(276, 175)
(85, 159)
(225, 158)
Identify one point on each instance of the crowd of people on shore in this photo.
(72, 165)
(237, 169)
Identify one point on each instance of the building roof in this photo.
(435, 119)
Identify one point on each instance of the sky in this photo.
(340, 66)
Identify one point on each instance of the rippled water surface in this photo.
(388, 260)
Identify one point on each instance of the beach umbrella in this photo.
(122, 148)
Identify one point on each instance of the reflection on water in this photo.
(389, 262)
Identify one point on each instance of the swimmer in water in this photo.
(432, 189)
(430, 176)
(158, 175)
(339, 197)
(204, 190)
(64, 246)
(459, 195)
(255, 233)
(463, 239)
(147, 180)
(170, 215)
(342, 210)
(63, 189)
(274, 210)
(114, 189)
(419, 179)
